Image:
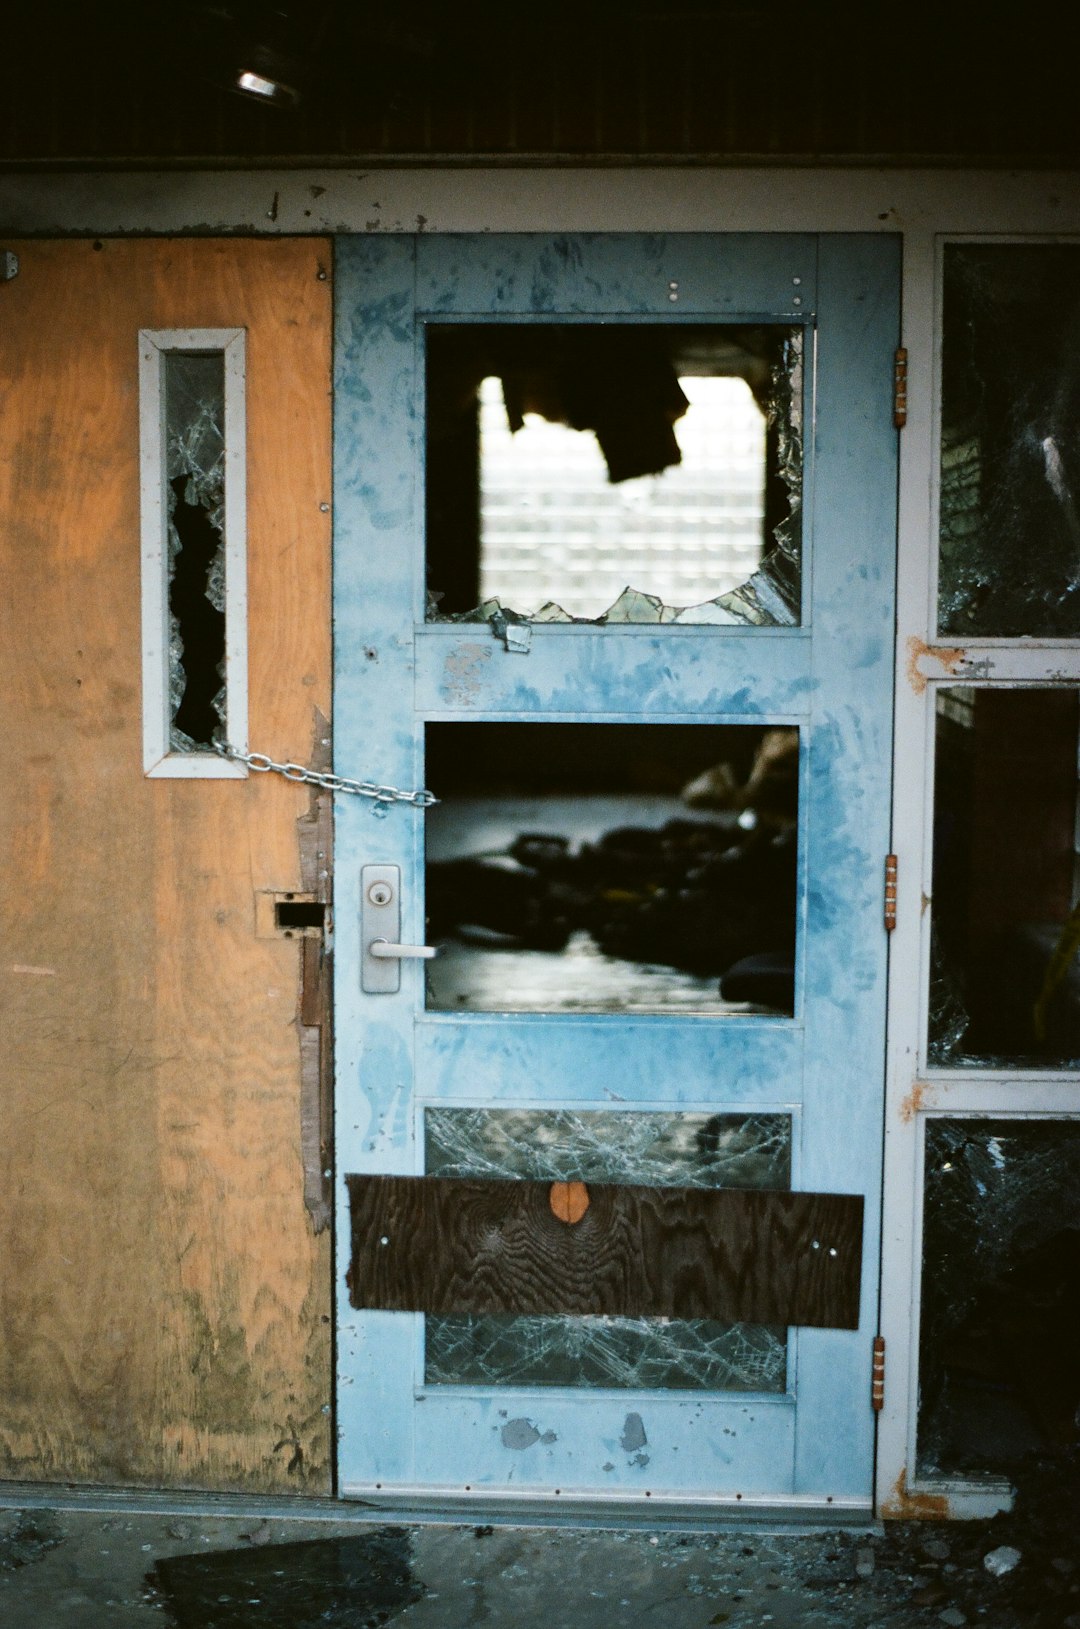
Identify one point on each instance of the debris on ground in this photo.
(82, 1570)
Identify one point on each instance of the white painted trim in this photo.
(925, 661)
(657, 198)
(997, 661)
(159, 761)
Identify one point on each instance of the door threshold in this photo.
(424, 1507)
(786, 1513)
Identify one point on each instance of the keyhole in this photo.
(380, 893)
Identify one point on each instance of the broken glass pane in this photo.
(657, 1149)
(612, 868)
(1010, 459)
(614, 474)
(999, 1363)
(664, 1149)
(1005, 977)
(620, 1353)
(195, 477)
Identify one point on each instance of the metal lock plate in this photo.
(380, 918)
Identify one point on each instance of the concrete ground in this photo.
(118, 1569)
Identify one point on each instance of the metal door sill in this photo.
(542, 1507)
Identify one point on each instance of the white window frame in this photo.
(160, 759)
(915, 1090)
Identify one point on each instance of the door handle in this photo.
(381, 953)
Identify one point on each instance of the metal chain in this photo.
(262, 765)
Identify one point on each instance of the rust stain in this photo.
(904, 1506)
(913, 1102)
(949, 658)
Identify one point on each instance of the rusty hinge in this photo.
(890, 892)
(877, 1375)
(899, 405)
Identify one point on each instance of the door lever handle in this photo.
(381, 955)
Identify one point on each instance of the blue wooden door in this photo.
(431, 1076)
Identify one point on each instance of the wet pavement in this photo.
(85, 1570)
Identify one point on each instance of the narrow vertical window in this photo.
(194, 593)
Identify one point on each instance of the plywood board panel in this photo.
(164, 1299)
(452, 1246)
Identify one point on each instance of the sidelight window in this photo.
(193, 549)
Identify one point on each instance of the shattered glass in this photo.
(1010, 460)
(654, 1149)
(618, 1353)
(1005, 936)
(1000, 1337)
(195, 484)
(693, 1150)
(701, 493)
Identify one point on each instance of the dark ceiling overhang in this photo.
(131, 85)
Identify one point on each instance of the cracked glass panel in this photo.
(1005, 976)
(1010, 457)
(614, 474)
(679, 1150)
(612, 868)
(999, 1366)
(194, 388)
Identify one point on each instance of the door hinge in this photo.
(9, 265)
(890, 892)
(899, 405)
(877, 1375)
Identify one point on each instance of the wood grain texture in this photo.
(450, 1246)
(164, 1302)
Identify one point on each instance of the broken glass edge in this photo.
(195, 452)
(745, 606)
(770, 597)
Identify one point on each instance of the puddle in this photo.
(354, 1583)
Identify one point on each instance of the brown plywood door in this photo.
(164, 1292)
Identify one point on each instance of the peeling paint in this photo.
(520, 1433)
(633, 1434)
(463, 670)
(949, 658)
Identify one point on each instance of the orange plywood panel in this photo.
(164, 1297)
